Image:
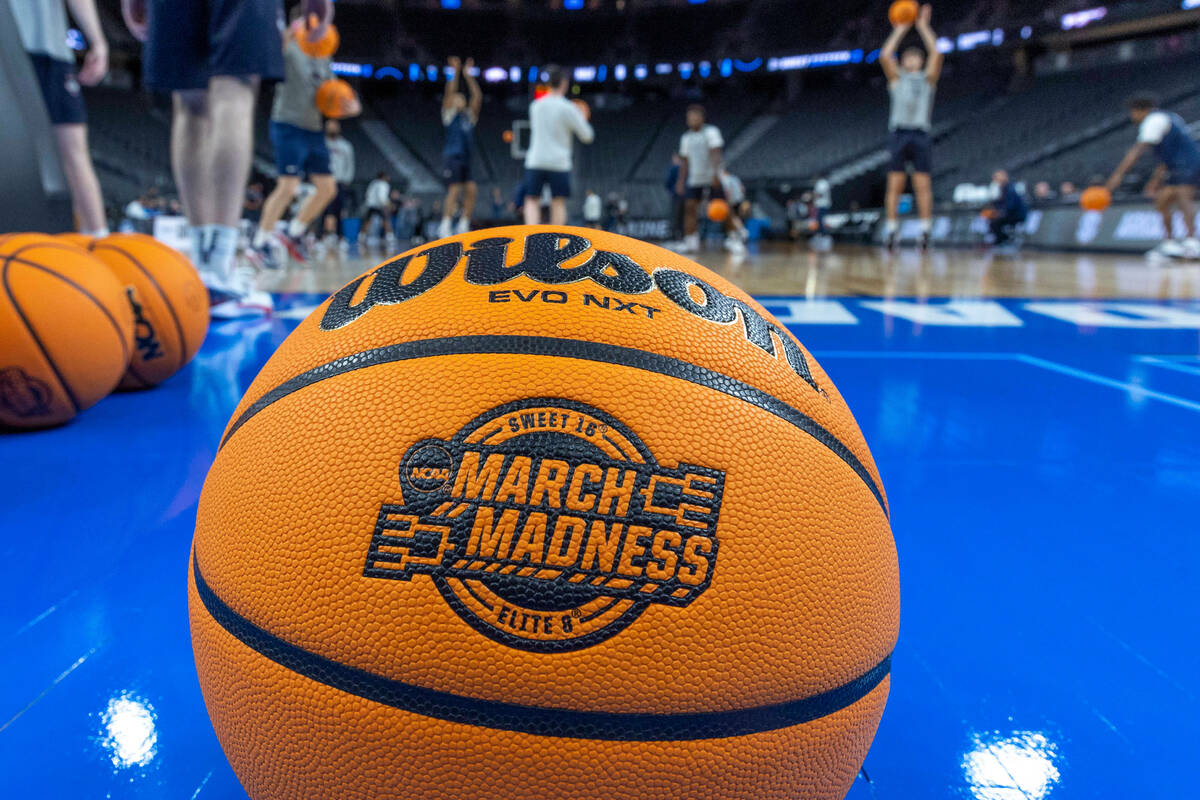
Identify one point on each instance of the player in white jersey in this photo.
(912, 82)
(554, 123)
(700, 153)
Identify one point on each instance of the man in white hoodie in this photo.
(554, 122)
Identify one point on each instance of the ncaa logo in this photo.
(548, 526)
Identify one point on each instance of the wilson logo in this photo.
(547, 525)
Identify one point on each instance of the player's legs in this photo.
(449, 208)
(895, 187)
(231, 107)
(277, 202)
(535, 181)
(470, 193)
(86, 200)
(326, 190)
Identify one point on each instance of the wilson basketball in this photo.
(1095, 198)
(77, 239)
(543, 512)
(65, 331)
(335, 98)
(718, 210)
(903, 12)
(324, 47)
(168, 300)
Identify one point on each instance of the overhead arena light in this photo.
(640, 72)
(495, 75)
(1081, 19)
(619, 72)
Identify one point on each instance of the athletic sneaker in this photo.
(1191, 249)
(925, 241)
(247, 300)
(690, 244)
(463, 226)
(891, 241)
(445, 227)
(294, 246)
(1168, 250)
(735, 245)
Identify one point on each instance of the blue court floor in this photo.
(1043, 465)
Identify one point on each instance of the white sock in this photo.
(99, 233)
(200, 250)
(892, 225)
(296, 228)
(260, 238)
(222, 250)
(926, 225)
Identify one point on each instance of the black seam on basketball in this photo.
(498, 715)
(567, 348)
(124, 345)
(62, 381)
(165, 300)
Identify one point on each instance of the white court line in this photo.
(1133, 390)
(1171, 364)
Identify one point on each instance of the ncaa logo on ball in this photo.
(547, 525)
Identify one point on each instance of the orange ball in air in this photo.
(1095, 198)
(903, 12)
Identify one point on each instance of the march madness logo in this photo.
(547, 525)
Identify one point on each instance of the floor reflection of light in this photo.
(1015, 767)
(129, 732)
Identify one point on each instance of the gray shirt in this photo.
(912, 102)
(296, 98)
(43, 27)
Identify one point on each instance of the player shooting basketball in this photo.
(912, 82)
(1173, 184)
(460, 115)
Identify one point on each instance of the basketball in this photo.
(903, 12)
(718, 210)
(507, 137)
(543, 512)
(65, 331)
(168, 300)
(335, 98)
(324, 47)
(584, 108)
(77, 239)
(1095, 198)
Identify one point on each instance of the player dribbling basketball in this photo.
(701, 157)
(1173, 184)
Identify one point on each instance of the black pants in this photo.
(1002, 227)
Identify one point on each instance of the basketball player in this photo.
(700, 153)
(341, 163)
(212, 55)
(43, 28)
(1173, 184)
(297, 134)
(553, 122)
(459, 116)
(911, 83)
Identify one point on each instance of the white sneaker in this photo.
(1167, 249)
(247, 300)
(690, 244)
(463, 226)
(735, 245)
(444, 228)
(1191, 249)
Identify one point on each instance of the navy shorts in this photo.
(1183, 176)
(60, 89)
(456, 169)
(341, 203)
(703, 192)
(910, 146)
(536, 179)
(299, 152)
(191, 41)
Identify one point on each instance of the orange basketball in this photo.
(718, 210)
(324, 47)
(65, 331)
(77, 239)
(1095, 198)
(584, 108)
(507, 136)
(335, 98)
(169, 303)
(903, 12)
(540, 512)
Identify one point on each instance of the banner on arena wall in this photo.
(173, 231)
(1131, 228)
